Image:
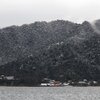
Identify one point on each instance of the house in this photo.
(9, 77)
(82, 83)
(51, 83)
(3, 77)
(44, 84)
(66, 84)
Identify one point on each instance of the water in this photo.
(50, 93)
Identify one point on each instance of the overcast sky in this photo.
(18, 12)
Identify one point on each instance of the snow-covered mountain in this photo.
(57, 48)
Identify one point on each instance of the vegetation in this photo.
(58, 50)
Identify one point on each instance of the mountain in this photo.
(30, 39)
(60, 50)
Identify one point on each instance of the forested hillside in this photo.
(59, 50)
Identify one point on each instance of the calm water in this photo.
(50, 93)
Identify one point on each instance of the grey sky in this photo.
(17, 12)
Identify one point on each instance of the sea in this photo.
(49, 93)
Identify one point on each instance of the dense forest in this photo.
(58, 50)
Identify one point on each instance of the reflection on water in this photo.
(49, 93)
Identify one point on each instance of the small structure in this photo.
(58, 83)
(92, 83)
(82, 83)
(44, 84)
(66, 84)
(2, 77)
(7, 80)
(9, 77)
(51, 83)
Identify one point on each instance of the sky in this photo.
(18, 12)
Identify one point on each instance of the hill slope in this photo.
(59, 50)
